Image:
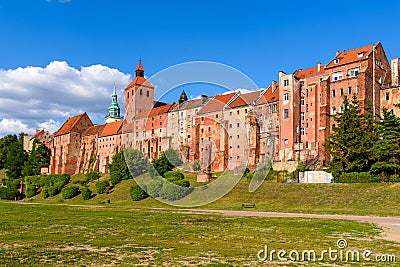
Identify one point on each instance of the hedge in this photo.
(137, 193)
(102, 187)
(86, 193)
(355, 177)
(173, 192)
(8, 193)
(173, 176)
(30, 191)
(70, 192)
(183, 183)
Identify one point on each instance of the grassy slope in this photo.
(57, 235)
(362, 199)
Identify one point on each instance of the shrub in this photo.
(196, 166)
(173, 176)
(53, 191)
(30, 191)
(173, 192)
(154, 187)
(137, 193)
(115, 179)
(45, 193)
(92, 176)
(102, 187)
(8, 193)
(70, 192)
(86, 193)
(183, 183)
(355, 177)
(395, 178)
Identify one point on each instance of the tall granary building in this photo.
(289, 121)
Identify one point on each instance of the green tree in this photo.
(38, 158)
(386, 150)
(5, 144)
(173, 157)
(121, 169)
(162, 165)
(349, 143)
(16, 158)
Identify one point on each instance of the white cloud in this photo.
(51, 125)
(44, 97)
(10, 126)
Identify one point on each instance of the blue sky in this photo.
(258, 38)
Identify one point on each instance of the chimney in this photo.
(395, 71)
(337, 53)
(273, 87)
(203, 99)
(319, 66)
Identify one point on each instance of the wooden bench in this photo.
(248, 206)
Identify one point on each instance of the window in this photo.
(260, 117)
(275, 107)
(144, 133)
(189, 138)
(357, 89)
(230, 125)
(387, 96)
(172, 135)
(238, 112)
(230, 113)
(341, 109)
(172, 126)
(286, 97)
(137, 134)
(270, 123)
(360, 54)
(141, 92)
(349, 91)
(333, 93)
(341, 92)
(336, 60)
(209, 129)
(286, 82)
(245, 110)
(147, 93)
(337, 76)
(302, 116)
(303, 131)
(353, 72)
(285, 113)
(302, 101)
(202, 118)
(152, 131)
(333, 111)
(202, 130)
(238, 136)
(173, 115)
(238, 125)
(269, 109)
(286, 142)
(216, 116)
(188, 127)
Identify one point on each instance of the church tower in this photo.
(113, 109)
(139, 95)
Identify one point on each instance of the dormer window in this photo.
(360, 54)
(336, 60)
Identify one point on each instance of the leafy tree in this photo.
(38, 158)
(386, 150)
(5, 144)
(196, 166)
(350, 142)
(70, 192)
(16, 158)
(162, 165)
(86, 193)
(173, 157)
(121, 169)
(102, 187)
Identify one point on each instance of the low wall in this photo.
(315, 177)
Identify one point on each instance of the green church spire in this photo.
(113, 109)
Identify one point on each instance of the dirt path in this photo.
(390, 225)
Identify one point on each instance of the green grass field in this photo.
(60, 235)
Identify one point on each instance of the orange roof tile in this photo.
(245, 99)
(139, 81)
(269, 96)
(301, 74)
(95, 129)
(350, 56)
(156, 111)
(69, 124)
(111, 128)
(38, 134)
(217, 103)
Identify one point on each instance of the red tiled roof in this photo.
(156, 111)
(95, 129)
(111, 128)
(69, 124)
(38, 134)
(301, 74)
(140, 81)
(217, 103)
(269, 96)
(245, 99)
(351, 56)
